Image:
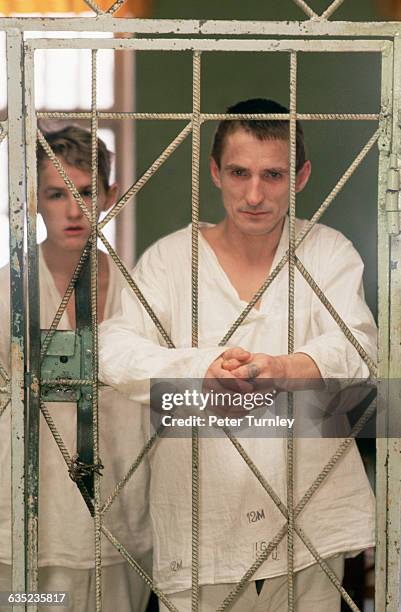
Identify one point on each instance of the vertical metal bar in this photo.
(95, 351)
(291, 325)
(17, 319)
(83, 318)
(32, 484)
(394, 413)
(383, 320)
(125, 70)
(194, 286)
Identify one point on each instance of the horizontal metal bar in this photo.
(102, 23)
(204, 27)
(301, 116)
(67, 382)
(177, 44)
(115, 115)
(205, 116)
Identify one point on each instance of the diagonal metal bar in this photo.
(65, 454)
(63, 174)
(284, 510)
(342, 325)
(337, 188)
(128, 557)
(300, 505)
(327, 570)
(359, 425)
(4, 406)
(121, 483)
(306, 9)
(4, 373)
(251, 571)
(136, 290)
(68, 460)
(64, 302)
(134, 189)
(302, 235)
(3, 131)
(331, 9)
(114, 7)
(95, 7)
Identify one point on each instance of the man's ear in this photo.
(303, 176)
(215, 172)
(111, 197)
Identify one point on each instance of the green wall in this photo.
(331, 82)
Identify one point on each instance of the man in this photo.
(66, 531)
(250, 166)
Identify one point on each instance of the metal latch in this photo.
(392, 197)
(61, 362)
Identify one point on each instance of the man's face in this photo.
(67, 227)
(254, 180)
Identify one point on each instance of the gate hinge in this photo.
(392, 197)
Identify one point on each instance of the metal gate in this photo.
(26, 388)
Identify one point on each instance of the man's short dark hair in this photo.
(262, 129)
(74, 145)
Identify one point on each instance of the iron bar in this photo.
(196, 126)
(224, 45)
(204, 27)
(95, 7)
(32, 485)
(94, 329)
(291, 325)
(206, 116)
(393, 530)
(383, 246)
(16, 163)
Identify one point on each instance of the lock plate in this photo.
(62, 361)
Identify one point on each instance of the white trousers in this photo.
(314, 592)
(122, 589)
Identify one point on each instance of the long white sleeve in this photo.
(341, 280)
(131, 348)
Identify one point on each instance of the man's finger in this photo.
(231, 382)
(246, 372)
(231, 364)
(236, 353)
